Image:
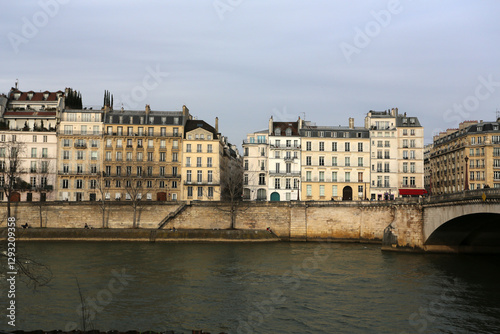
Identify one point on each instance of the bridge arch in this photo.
(465, 227)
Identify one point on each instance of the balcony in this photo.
(283, 173)
(405, 185)
(79, 133)
(80, 145)
(284, 146)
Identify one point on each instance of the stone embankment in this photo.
(296, 221)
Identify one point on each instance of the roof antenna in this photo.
(17, 82)
(304, 115)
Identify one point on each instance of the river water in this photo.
(258, 288)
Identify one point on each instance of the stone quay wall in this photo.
(298, 221)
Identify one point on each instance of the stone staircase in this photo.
(172, 215)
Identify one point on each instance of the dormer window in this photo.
(288, 132)
(17, 96)
(45, 96)
(142, 120)
(30, 96)
(163, 120)
(479, 128)
(277, 132)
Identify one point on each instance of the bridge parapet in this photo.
(490, 193)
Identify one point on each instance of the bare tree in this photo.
(11, 169)
(43, 187)
(100, 186)
(231, 184)
(135, 186)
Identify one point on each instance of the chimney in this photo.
(351, 123)
(148, 109)
(217, 124)
(271, 125)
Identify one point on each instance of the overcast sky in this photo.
(247, 60)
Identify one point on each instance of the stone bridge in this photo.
(467, 222)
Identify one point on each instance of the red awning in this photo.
(412, 192)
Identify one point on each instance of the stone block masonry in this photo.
(295, 221)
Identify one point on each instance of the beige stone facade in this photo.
(142, 154)
(38, 159)
(335, 162)
(79, 163)
(201, 166)
(255, 166)
(466, 158)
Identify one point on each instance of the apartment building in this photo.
(466, 158)
(396, 155)
(80, 150)
(142, 154)
(202, 166)
(37, 152)
(427, 168)
(32, 110)
(335, 162)
(284, 160)
(255, 166)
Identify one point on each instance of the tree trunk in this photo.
(41, 215)
(135, 212)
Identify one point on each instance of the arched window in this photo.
(288, 132)
(277, 132)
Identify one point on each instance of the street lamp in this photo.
(466, 187)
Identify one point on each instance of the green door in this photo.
(275, 196)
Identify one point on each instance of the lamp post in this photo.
(466, 187)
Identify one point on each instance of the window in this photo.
(174, 184)
(66, 155)
(321, 146)
(412, 167)
(198, 162)
(386, 168)
(322, 190)
(199, 176)
(198, 148)
(347, 147)
(386, 182)
(412, 181)
(139, 156)
(308, 146)
(163, 156)
(347, 176)
(119, 155)
(309, 190)
(210, 192)
(262, 179)
(188, 147)
(322, 176)
(321, 161)
(150, 143)
(209, 162)
(79, 184)
(412, 154)
(163, 144)
(33, 152)
(188, 161)
(188, 176)
(308, 175)
(45, 166)
(66, 143)
(139, 170)
(347, 161)
(360, 147)
(360, 162)
(334, 176)
(150, 170)
(334, 161)
(209, 148)
(65, 184)
(360, 176)
(308, 161)
(210, 177)
(277, 183)
(334, 190)
(150, 156)
(174, 157)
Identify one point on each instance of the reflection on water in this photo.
(260, 288)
